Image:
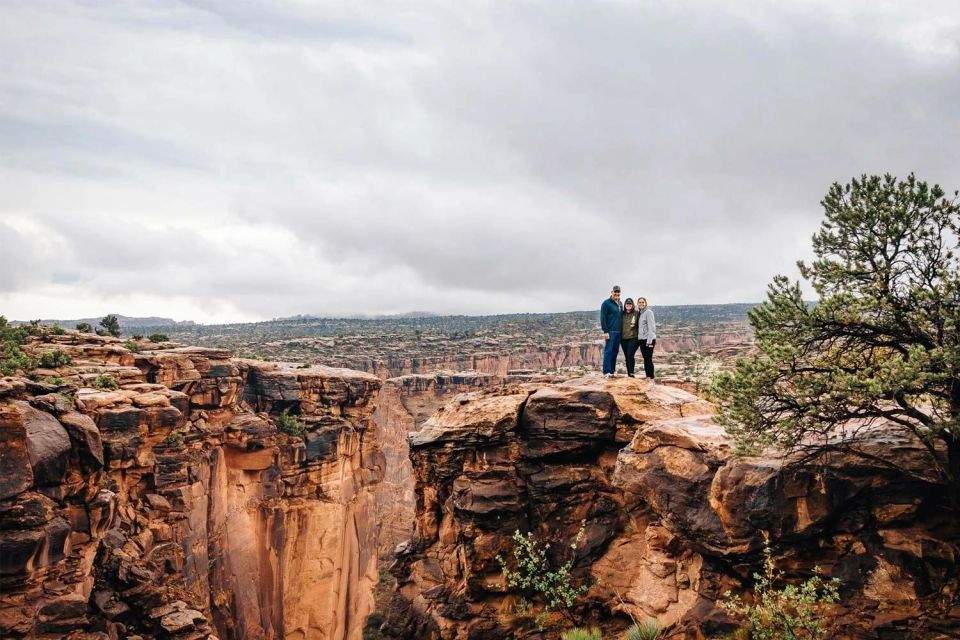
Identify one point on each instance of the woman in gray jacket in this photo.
(647, 332)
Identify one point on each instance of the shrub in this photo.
(131, 346)
(582, 634)
(56, 381)
(371, 630)
(787, 613)
(36, 328)
(84, 327)
(105, 383)
(110, 325)
(174, 440)
(55, 358)
(556, 589)
(57, 330)
(292, 425)
(157, 337)
(649, 629)
(12, 357)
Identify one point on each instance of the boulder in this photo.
(48, 445)
(86, 438)
(17, 475)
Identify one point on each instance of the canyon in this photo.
(209, 496)
(495, 345)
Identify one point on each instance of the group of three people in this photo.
(628, 327)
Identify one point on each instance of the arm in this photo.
(651, 326)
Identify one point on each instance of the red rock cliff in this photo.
(672, 519)
(173, 506)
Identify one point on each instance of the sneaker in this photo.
(630, 375)
(606, 375)
(653, 382)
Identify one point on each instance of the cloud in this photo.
(221, 160)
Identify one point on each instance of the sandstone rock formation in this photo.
(671, 519)
(174, 507)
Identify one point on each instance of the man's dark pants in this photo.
(630, 346)
(647, 352)
(610, 350)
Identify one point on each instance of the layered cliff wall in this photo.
(501, 361)
(174, 507)
(671, 519)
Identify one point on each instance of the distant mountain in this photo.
(357, 316)
(126, 322)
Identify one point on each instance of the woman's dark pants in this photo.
(647, 353)
(630, 346)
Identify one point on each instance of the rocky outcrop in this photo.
(670, 519)
(173, 506)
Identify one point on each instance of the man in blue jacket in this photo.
(610, 325)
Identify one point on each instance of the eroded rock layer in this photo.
(173, 506)
(671, 520)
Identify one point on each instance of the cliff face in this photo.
(173, 506)
(672, 519)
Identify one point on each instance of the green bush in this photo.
(533, 577)
(55, 358)
(789, 612)
(56, 381)
(12, 357)
(174, 440)
(84, 327)
(371, 630)
(132, 346)
(105, 383)
(582, 634)
(157, 337)
(292, 425)
(649, 629)
(57, 330)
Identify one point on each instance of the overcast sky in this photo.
(226, 160)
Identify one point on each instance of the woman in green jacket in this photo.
(629, 334)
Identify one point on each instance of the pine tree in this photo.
(110, 325)
(880, 345)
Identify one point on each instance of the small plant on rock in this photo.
(84, 327)
(791, 612)
(132, 346)
(55, 380)
(556, 589)
(174, 440)
(649, 629)
(371, 630)
(292, 425)
(105, 383)
(55, 358)
(157, 337)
